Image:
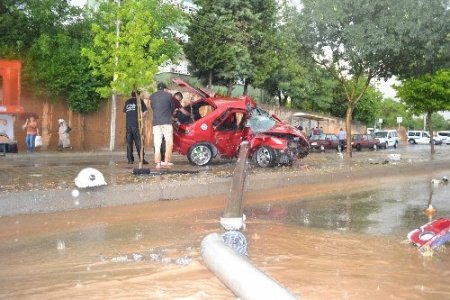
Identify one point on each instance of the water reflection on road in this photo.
(348, 243)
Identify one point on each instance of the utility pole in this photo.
(112, 137)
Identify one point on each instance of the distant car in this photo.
(421, 137)
(388, 138)
(445, 135)
(217, 125)
(324, 141)
(365, 141)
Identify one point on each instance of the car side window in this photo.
(229, 121)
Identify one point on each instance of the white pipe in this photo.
(238, 273)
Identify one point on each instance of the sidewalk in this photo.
(57, 170)
(43, 182)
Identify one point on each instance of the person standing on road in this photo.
(63, 132)
(176, 99)
(342, 136)
(32, 131)
(133, 134)
(162, 106)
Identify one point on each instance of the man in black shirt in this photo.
(130, 110)
(162, 106)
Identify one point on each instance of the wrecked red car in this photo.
(216, 126)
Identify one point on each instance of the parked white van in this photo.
(422, 137)
(445, 136)
(388, 138)
(418, 137)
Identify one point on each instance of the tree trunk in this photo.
(210, 77)
(430, 130)
(245, 93)
(229, 88)
(279, 98)
(348, 129)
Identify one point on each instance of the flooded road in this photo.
(346, 242)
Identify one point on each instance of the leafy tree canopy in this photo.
(232, 40)
(362, 39)
(427, 93)
(146, 39)
(47, 37)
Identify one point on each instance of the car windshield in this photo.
(318, 137)
(260, 120)
(381, 134)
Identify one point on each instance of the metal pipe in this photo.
(238, 274)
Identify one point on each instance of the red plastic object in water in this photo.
(431, 235)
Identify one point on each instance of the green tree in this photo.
(366, 111)
(47, 37)
(426, 94)
(232, 41)
(132, 40)
(362, 39)
(390, 110)
(295, 79)
(209, 37)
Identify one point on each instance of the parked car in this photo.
(324, 141)
(421, 137)
(219, 124)
(366, 141)
(388, 138)
(445, 135)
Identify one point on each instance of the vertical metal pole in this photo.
(112, 136)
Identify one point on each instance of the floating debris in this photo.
(89, 177)
(60, 245)
(431, 235)
(120, 258)
(184, 261)
(166, 260)
(394, 157)
(442, 181)
(137, 257)
(155, 256)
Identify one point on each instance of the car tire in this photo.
(386, 145)
(396, 145)
(358, 147)
(374, 147)
(412, 141)
(200, 154)
(265, 157)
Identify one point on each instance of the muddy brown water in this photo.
(343, 240)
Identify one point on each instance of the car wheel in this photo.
(322, 148)
(386, 145)
(200, 154)
(358, 147)
(265, 157)
(412, 141)
(374, 147)
(396, 145)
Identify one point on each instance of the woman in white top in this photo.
(64, 139)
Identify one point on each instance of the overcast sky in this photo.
(78, 2)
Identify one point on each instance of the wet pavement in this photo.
(44, 181)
